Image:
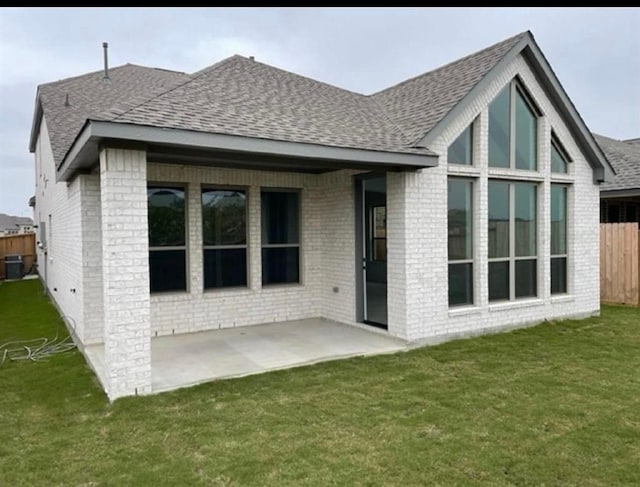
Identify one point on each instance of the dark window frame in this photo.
(516, 86)
(298, 245)
(471, 184)
(222, 187)
(471, 138)
(512, 258)
(564, 256)
(564, 155)
(184, 187)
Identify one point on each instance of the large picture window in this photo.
(224, 236)
(167, 239)
(460, 241)
(513, 128)
(280, 236)
(512, 240)
(558, 239)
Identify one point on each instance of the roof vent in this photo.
(105, 47)
(66, 101)
(252, 58)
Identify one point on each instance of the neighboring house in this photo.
(620, 197)
(15, 225)
(457, 202)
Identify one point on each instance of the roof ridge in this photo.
(244, 58)
(513, 39)
(62, 80)
(114, 68)
(191, 77)
(213, 67)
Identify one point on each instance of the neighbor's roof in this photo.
(8, 222)
(624, 156)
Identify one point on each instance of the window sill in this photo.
(284, 285)
(521, 174)
(520, 303)
(226, 290)
(159, 295)
(464, 310)
(562, 298)
(460, 169)
(561, 178)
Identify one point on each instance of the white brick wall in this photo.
(427, 313)
(61, 267)
(125, 272)
(328, 242)
(91, 220)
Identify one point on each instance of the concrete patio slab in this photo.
(188, 359)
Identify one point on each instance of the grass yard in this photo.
(558, 404)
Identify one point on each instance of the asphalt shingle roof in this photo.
(240, 96)
(8, 222)
(624, 156)
(90, 95)
(418, 104)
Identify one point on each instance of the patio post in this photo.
(125, 272)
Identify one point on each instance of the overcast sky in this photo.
(595, 52)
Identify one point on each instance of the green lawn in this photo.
(557, 404)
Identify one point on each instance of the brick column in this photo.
(125, 272)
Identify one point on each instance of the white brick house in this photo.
(458, 202)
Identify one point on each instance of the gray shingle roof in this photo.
(90, 95)
(624, 156)
(239, 96)
(418, 104)
(243, 97)
(8, 222)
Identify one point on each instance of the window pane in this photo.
(167, 270)
(525, 219)
(558, 275)
(379, 222)
(225, 267)
(526, 129)
(526, 278)
(558, 219)
(460, 284)
(558, 163)
(498, 219)
(499, 129)
(223, 217)
(279, 217)
(166, 217)
(461, 149)
(280, 265)
(459, 219)
(498, 280)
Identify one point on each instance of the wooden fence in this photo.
(620, 263)
(24, 245)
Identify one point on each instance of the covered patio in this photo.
(192, 358)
